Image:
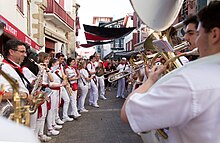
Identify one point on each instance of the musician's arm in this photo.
(154, 76)
(50, 77)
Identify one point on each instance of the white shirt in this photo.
(186, 100)
(121, 67)
(11, 72)
(91, 67)
(28, 74)
(16, 133)
(84, 74)
(71, 73)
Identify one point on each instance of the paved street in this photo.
(99, 125)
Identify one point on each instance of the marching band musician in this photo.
(189, 95)
(11, 131)
(140, 74)
(123, 66)
(14, 54)
(93, 93)
(73, 76)
(191, 25)
(53, 106)
(84, 85)
(26, 65)
(43, 108)
(65, 95)
(100, 75)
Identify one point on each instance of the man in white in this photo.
(93, 93)
(123, 66)
(187, 99)
(100, 79)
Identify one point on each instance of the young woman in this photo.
(84, 85)
(54, 98)
(72, 76)
(43, 59)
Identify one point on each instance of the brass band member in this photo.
(100, 69)
(121, 82)
(93, 93)
(190, 94)
(191, 25)
(73, 77)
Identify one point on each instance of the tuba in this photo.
(159, 20)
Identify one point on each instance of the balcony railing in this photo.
(54, 7)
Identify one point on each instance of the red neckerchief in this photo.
(13, 65)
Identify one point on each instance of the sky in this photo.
(104, 8)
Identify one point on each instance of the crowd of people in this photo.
(55, 88)
(184, 101)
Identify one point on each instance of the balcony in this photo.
(58, 16)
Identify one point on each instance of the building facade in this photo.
(45, 25)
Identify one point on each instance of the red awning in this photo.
(15, 32)
(90, 36)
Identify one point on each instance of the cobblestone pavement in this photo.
(99, 125)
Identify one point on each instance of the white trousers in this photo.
(121, 87)
(84, 89)
(101, 83)
(73, 104)
(41, 120)
(93, 93)
(33, 122)
(52, 113)
(66, 99)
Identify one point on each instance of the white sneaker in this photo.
(60, 122)
(67, 119)
(78, 115)
(44, 138)
(57, 127)
(95, 105)
(83, 110)
(103, 97)
(53, 132)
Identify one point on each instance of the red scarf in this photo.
(13, 65)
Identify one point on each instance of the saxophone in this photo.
(38, 95)
(21, 113)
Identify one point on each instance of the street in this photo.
(99, 125)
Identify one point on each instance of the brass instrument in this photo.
(68, 87)
(21, 112)
(99, 71)
(38, 96)
(135, 65)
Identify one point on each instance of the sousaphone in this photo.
(157, 14)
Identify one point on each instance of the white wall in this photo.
(9, 10)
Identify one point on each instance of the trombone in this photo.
(135, 65)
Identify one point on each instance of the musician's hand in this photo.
(64, 83)
(7, 95)
(79, 76)
(30, 99)
(156, 73)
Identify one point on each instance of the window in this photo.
(20, 5)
